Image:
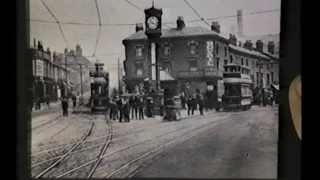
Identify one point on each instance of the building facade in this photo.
(49, 78)
(194, 57)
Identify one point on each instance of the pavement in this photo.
(243, 147)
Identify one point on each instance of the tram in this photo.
(99, 89)
(238, 88)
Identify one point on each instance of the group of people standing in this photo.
(193, 102)
(120, 108)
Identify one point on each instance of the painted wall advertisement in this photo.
(210, 51)
(39, 68)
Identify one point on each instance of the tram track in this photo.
(125, 148)
(121, 132)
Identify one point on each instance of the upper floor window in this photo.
(241, 61)
(252, 63)
(139, 50)
(139, 69)
(225, 51)
(247, 62)
(272, 77)
(231, 58)
(193, 47)
(193, 65)
(167, 49)
(218, 63)
(167, 67)
(225, 62)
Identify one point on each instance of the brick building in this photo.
(49, 77)
(194, 57)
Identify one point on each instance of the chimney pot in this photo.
(180, 23)
(139, 27)
(233, 39)
(248, 45)
(215, 27)
(259, 45)
(271, 47)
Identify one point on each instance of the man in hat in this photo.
(119, 107)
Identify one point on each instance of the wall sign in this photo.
(210, 50)
(39, 68)
(189, 74)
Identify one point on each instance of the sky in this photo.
(118, 19)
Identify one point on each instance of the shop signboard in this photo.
(39, 68)
(190, 74)
(209, 52)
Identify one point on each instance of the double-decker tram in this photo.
(238, 87)
(99, 89)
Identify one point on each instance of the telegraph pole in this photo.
(66, 65)
(81, 80)
(119, 74)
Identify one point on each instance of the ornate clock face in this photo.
(153, 22)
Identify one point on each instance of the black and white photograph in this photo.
(154, 88)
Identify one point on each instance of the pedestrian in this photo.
(131, 102)
(120, 108)
(126, 110)
(74, 100)
(136, 102)
(189, 105)
(183, 101)
(38, 104)
(193, 104)
(65, 106)
(112, 110)
(201, 104)
(47, 99)
(141, 108)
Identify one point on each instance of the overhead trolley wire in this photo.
(99, 32)
(201, 18)
(63, 36)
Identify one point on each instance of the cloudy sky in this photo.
(118, 19)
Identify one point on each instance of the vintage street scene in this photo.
(154, 88)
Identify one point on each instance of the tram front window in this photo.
(231, 90)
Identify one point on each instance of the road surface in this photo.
(216, 145)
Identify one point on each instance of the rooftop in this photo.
(174, 32)
(252, 52)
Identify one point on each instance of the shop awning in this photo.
(70, 84)
(164, 76)
(275, 86)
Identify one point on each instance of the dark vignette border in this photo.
(289, 162)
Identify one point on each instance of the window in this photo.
(268, 66)
(257, 64)
(241, 61)
(268, 79)
(272, 74)
(193, 65)
(217, 48)
(218, 63)
(231, 59)
(247, 62)
(139, 69)
(167, 49)
(225, 62)
(139, 50)
(225, 51)
(167, 67)
(257, 78)
(252, 63)
(193, 47)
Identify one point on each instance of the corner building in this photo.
(193, 56)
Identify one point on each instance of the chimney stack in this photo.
(248, 45)
(240, 44)
(233, 39)
(259, 45)
(79, 50)
(49, 52)
(240, 23)
(271, 47)
(40, 47)
(139, 27)
(215, 27)
(180, 23)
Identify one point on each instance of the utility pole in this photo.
(119, 74)
(81, 80)
(66, 65)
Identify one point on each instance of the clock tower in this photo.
(153, 22)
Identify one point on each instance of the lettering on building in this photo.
(210, 50)
(187, 74)
(39, 68)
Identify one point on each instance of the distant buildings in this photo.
(193, 58)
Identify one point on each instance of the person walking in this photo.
(189, 105)
(126, 110)
(65, 106)
(141, 108)
(193, 104)
(47, 99)
(201, 104)
(74, 100)
(120, 108)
